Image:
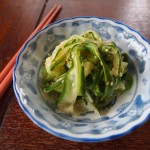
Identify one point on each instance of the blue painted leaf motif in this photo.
(33, 45)
(119, 29)
(44, 108)
(30, 86)
(123, 115)
(25, 56)
(50, 31)
(21, 70)
(144, 81)
(38, 114)
(63, 25)
(123, 107)
(144, 50)
(141, 64)
(80, 125)
(139, 102)
(132, 53)
(104, 118)
(75, 23)
(32, 72)
(27, 98)
(34, 63)
(95, 131)
(141, 61)
(119, 126)
(135, 110)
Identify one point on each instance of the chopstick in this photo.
(12, 61)
(6, 74)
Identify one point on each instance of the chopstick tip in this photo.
(60, 6)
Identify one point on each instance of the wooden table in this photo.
(18, 18)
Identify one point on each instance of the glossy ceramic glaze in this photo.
(130, 109)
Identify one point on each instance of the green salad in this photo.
(87, 72)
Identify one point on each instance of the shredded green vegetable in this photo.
(87, 72)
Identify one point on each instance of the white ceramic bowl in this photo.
(130, 110)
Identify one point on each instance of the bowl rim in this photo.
(61, 135)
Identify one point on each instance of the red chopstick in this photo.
(6, 74)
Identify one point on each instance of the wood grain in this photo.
(134, 13)
(18, 132)
(17, 21)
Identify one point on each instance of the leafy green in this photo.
(88, 72)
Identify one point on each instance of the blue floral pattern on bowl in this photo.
(130, 109)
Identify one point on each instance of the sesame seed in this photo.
(111, 83)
